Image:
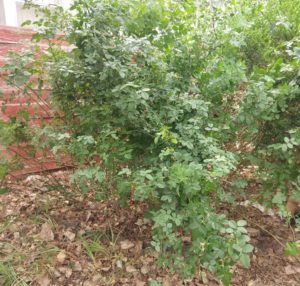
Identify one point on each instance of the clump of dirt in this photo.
(51, 234)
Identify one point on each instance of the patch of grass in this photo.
(8, 276)
(42, 257)
(94, 235)
(97, 241)
(112, 236)
(6, 224)
(39, 218)
(43, 207)
(34, 261)
(48, 219)
(92, 247)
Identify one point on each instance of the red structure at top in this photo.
(17, 39)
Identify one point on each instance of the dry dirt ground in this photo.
(52, 235)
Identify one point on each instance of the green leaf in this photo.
(174, 140)
(248, 248)
(26, 23)
(3, 171)
(279, 198)
(229, 230)
(226, 277)
(154, 283)
(291, 249)
(241, 223)
(245, 260)
(3, 191)
(100, 176)
(83, 186)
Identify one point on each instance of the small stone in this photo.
(130, 269)
(87, 283)
(126, 244)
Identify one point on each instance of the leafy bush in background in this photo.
(150, 94)
(270, 105)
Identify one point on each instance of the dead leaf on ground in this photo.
(70, 235)
(43, 280)
(61, 257)
(97, 278)
(126, 244)
(145, 269)
(77, 266)
(130, 269)
(167, 282)
(138, 247)
(106, 269)
(119, 264)
(66, 270)
(255, 283)
(290, 270)
(46, 232)
(140, 283)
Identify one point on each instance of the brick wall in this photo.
(16, 39)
